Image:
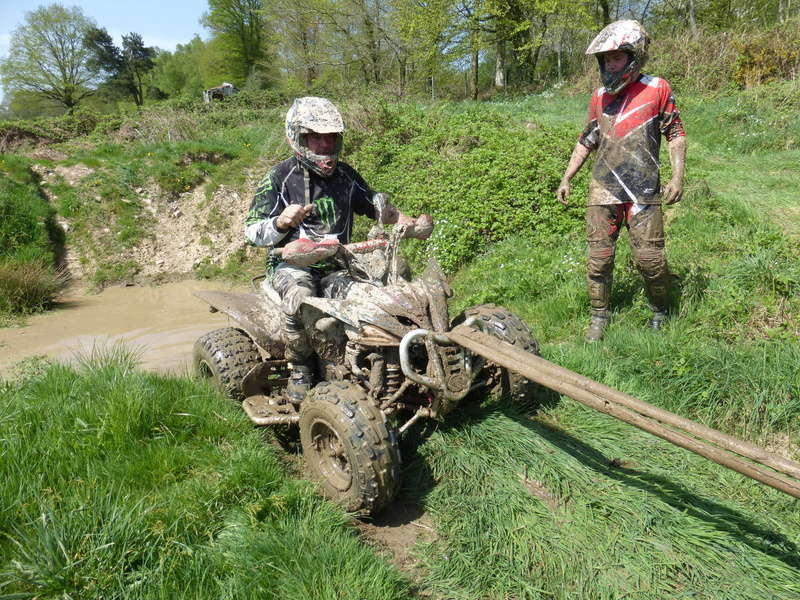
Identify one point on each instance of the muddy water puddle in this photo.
(159, 323)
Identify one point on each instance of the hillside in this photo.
(149, 486)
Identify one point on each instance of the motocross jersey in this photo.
(335, 198)
(625, 129)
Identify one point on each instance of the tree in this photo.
(124, 68)
(241, 25)
(47, 56)
(179, 73)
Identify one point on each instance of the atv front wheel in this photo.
(508, 327)
(348, 448)
(225, 356)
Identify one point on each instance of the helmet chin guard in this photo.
(628, 36)
(311, 114)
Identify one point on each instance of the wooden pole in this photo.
(636, 412)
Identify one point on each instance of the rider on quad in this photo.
(311, 197)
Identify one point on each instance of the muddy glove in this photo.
(292, 216)
(421, 228)
(304, 252)
(673, 192)
(563, 191)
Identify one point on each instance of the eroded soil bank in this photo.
(159, 323)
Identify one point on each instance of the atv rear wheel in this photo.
(225, 356)
(349, 448)
(508, 327)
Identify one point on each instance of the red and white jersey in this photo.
(625, 130)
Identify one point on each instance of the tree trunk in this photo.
(692, 18)
(474, 73)
(500, 66)
(606, 11)
(309, 72)
(537, 46)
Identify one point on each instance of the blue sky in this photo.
(161, 23)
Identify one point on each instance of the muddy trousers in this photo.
(294, 284)
(645, 225)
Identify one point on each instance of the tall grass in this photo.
(120, 484)
(28, 287)
(572, 505)
(29, 237)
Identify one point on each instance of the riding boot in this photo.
(657, 319)
(299, 354)
(597, 325)
(657, 291)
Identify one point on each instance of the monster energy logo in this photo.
(326, 210)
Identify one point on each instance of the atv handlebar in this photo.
(353, 248)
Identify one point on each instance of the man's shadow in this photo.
(419, 480)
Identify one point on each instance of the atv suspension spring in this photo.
(394, 377)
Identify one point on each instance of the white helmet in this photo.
(628, 36)
(317, 115)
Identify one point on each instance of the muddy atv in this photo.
(384, 361)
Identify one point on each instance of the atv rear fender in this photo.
(258, 315)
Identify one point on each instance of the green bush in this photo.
(53, 129)
(28, 233)
(27, 286)
(483, 171)
(770, 55)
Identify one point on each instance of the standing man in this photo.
(627, 117)
(314, 196)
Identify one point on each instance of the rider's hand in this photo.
(563, 191)
(673, 192)
(292, 216)
(421, 228)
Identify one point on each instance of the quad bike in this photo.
(388, 355)
(384, 361)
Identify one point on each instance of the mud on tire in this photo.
(348, 448)
(225, 356)
(504, 325)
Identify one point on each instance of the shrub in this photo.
(483, 171)
(54, 129)
(28, 234)
(771, 55)
(28, 286)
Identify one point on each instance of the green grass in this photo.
(572, 505)
(29, 238)
(120, 484)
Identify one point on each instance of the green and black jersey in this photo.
(336, 198)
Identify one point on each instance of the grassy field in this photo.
(120, 484)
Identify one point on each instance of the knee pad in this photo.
(293, 298)
(601, 261)
(651, 262)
